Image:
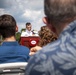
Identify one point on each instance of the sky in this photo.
(24, 11)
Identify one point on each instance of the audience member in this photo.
(58, 57)
(28, 31)
(46, 36)
(10, 50)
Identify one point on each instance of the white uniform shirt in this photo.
(26, 33)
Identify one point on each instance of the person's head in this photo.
(7, 26)
(59, 13)
(46, 36)
(28, 26)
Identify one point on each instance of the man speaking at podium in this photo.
(28, 31)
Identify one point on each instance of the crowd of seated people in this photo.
(54, 55)
(10, 45)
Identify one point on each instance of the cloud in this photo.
(6, 3)
(31, 14)
(24, 11)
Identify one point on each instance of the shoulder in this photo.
(38, 63)
(24, 48)
(53, 46)
(23, 33)
(46, 52)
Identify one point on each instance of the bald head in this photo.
(59, 10)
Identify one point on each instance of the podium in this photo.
(29, 41)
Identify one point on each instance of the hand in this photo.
(33, 50)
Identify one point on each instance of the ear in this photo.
(45, 20)
(16, 28)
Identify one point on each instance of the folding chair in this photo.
(16, 68)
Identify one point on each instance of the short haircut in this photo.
(28, 23)
(7, 26)
(59, 11)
